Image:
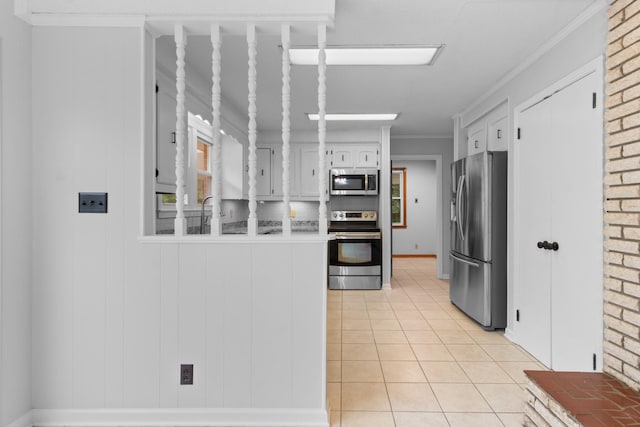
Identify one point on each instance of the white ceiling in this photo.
(484, 40)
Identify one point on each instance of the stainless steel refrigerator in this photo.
(478, 272)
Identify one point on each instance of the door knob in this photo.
(548, 246)
(543, 245)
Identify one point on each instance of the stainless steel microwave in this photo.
(353, 182)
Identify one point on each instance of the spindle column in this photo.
(252, 223)
(216, 223)
(286, 131)
(322, 130)
(180, 223)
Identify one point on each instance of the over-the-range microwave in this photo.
(353, 182)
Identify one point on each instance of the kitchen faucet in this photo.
(204, 200)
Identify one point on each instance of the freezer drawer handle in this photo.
(464, 261)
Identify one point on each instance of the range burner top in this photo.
(353, 221)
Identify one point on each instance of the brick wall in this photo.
(622, 194)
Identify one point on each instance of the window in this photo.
(203, 168)
(399, 198)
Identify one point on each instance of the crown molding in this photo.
(596, 7)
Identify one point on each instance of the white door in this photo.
(576, 288)
(559, 190)
(533, 221)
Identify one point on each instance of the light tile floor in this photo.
(406, 357)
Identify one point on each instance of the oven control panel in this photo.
(354, 216)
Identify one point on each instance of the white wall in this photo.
(586, 42)
(15, 216)
(421, 215)
(115, 316)
(433, 146)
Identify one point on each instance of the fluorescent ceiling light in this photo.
(389, 55)
(354, 117)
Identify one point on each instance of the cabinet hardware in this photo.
(554, 246)
(593, 100)
(476, 143)
(499, 134)
(518, 133)
(173, 137)
(262, 172)
(594, 361)
(313, 172)
(517, 315)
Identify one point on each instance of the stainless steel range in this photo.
(355, 256)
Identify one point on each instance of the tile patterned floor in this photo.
(406, 357)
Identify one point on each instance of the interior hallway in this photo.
(407, 357)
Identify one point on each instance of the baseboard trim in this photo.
(24, 421)
(177, 417)
(414, 256)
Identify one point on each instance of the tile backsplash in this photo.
(234, 211)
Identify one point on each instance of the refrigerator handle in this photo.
(464, 261)
(460, 219)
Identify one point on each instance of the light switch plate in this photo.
(92, 202)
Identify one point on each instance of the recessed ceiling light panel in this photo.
(355, 117)
(384, 55)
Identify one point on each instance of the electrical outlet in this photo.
(186, 374)
(92, 202)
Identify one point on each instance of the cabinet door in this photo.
(576, 288)
(367, 157)
(477, 141)
(309, 172)
(342, 157)
(559, 293)
(276, 171)
(497, 135)
(165, 146)
(533, 222)
(263, 172)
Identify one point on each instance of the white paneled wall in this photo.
(115, 314)
(15, 216)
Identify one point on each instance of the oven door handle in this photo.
(357, 235)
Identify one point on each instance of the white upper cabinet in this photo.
(309, 172)
(342, 157)
(355, 156)
(263, 171)
(497, 135)
(489, 132)
(477, 139)
(165, 142)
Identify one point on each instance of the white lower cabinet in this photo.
(558, 226)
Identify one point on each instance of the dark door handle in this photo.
(548, 246)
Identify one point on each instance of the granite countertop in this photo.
(270, 227)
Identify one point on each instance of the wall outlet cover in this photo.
(93, 202)
(186, 374)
